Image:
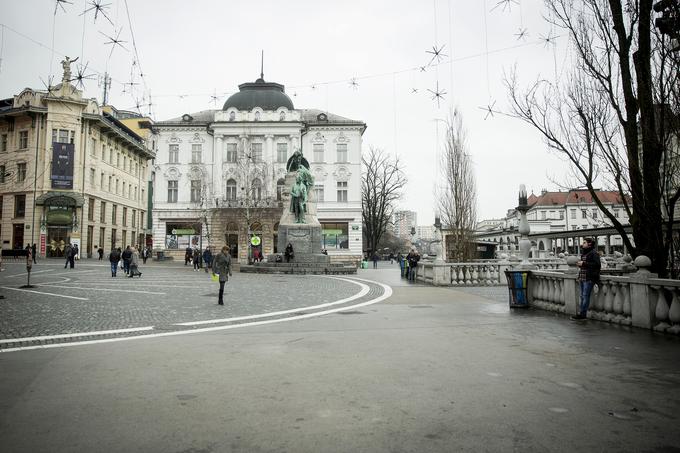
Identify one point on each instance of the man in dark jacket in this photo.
(588, 276)
(127, 256)
(413, 257)
(222, 266)
(114, 258)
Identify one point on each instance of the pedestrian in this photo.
(413, 258)
(114, 258)
(289, 253)
(207, 259)
(391, 258)
(76, 252)
(127, 256)
(222, 267)
(588, 276)
(375, 258)
(134, 263)
(188, 253)
(197, 259)
(33, 250)
(145, 254)
(100, 251)
(67, 254)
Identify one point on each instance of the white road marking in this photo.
(75, 335)
(99, 289)
(48, 294)
(387, 293)
(26, 273)
(364, 290)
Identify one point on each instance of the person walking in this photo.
(413, 258)
(67, 254)
(134, 263)
(127, 256)
(207, 259)
(100, 251)
(33, 250)
(222, 266)
(145, 254)
(375, 258)
(197, 259)
(188, 253)
(589, 275)
(114, 258)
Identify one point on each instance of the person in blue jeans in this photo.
(589, 275)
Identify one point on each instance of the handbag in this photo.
(214, 277)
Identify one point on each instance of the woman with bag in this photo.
(222, 266)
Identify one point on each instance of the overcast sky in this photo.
(190, 51)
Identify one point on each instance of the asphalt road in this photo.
(423, 370)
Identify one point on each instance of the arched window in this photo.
(257, 189)
(279, 189)
(256, 227)
(231, 189)
(232, 116)
(282, 116)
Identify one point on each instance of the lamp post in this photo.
(524, 229)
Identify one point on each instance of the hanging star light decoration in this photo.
(214, 98)
(313, 87)
(505, 4)
(60, 4)
(437, 54)
(437, 94)
(354, 84)
(414, 90)
(52, 91)
(489, 110)
(548, 40)
(423, 69)
(115, 41)
(130, 84)
(98, 8)
(294, 94)
(522, 34)
(82, 76)
(138, 105)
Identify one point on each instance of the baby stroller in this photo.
(134, 270)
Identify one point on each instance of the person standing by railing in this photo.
(588, 276)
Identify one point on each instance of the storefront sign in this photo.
(62, 165)
(42, 245)
(183, 231)
(255, 241)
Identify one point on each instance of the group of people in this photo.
(129, 258)
(200, 260)
(70, 253)
(145, 253)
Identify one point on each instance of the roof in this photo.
(204, 116)
(266, 95)
(573, 197)
(314, 117)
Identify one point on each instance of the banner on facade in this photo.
(62, 165)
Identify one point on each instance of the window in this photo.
(111, 156)
(125, 163)
(141, 219)
(124, 216)
(195, 191)
(542, 215)
(231, 152)
(616, 211)
(92, 176)
(280, 184)
(3, 142)
(231, 190)
(117, 185)
(1, 206)
(134, 218)
(19, 206)
(561, 215)
(573, 213)
(21, 171)
(102, 212)
(335, 235)
(114, 212)
(342, 152)
(173, 154)
(282, 152)
(172, 191)
(93, 146)
(117, 160)
(232, 116)
(101, 180)
(318, 192)
(23, 139)
(256, 154)
(3, 171)
(196, 151)
(342, 191)
(110, 183)
(90, 209)
(584, 214)
(318, 152)
(257, 189)
(594, 213)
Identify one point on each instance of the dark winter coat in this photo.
(590, 268)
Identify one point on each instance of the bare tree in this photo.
(456, 192)
(382, 183)
(609, 118)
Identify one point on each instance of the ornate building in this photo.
(69, 172)
(220, 174)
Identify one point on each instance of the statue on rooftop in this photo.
(66, 64)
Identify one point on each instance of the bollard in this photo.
(29, 266)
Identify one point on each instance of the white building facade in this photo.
(220, 174)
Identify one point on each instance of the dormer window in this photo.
(186, 117)
(232, 116)
(257, 116)
(322, 117)
(282, 116)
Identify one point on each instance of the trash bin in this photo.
(518, 288)
(364, 264)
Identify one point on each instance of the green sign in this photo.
(255, 240)
(183, 231)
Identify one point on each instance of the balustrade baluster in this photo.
(468, 276)
(618, 303)
(626, 305)
(608, 301)
(475, 275)
(674, 312)
(551, 290)
(596, 302)
(661, 310)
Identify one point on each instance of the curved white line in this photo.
(387, 293)
(364, 290)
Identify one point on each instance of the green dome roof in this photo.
(266, 95)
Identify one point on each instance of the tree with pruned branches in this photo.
(614, 118)
(456, 192)
(382, 183)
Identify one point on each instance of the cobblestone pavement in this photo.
(70, 303)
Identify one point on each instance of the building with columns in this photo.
(70, 171)
(219, 174)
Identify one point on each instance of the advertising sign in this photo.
(62, 165)
(42, 244)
